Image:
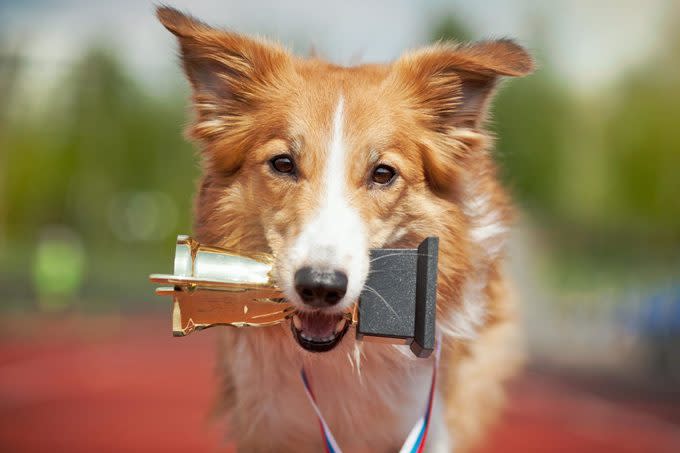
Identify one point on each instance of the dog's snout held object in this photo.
(211, 286)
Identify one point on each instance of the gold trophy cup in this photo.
(212, 286)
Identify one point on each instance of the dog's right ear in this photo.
(228, 72)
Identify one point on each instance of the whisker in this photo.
(351, 362)
(383, 299)
(375, 271)
(357, 360)
(396, 254)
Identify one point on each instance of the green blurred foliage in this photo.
(595, 171)
(94, 138)
(103, 157)
(447, 28)
(58, 269)
(99, 134)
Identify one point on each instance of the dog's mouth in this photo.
(318, 332)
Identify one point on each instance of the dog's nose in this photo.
(318, 288)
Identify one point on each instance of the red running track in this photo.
(117, 385)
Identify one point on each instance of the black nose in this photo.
(320, 288)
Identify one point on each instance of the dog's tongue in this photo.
(318, 325)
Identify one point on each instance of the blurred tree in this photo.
(99, 134)
(10, 66)
(529, 118)
(97, 138)
(100, 156)
(595, 170)
(448, 28)
(642, 138)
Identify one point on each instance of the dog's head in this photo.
(317, 163)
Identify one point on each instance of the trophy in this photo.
(213, 286)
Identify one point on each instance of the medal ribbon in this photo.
(415, 442)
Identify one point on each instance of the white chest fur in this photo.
(370, 399)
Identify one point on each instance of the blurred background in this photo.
(96, 181)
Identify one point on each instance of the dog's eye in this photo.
(383, 174)
(282, 163)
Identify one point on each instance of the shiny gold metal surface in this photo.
(218, 287)
(196, 310)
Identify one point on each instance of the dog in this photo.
(316, 164)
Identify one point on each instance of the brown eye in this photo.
(282, 163)
(383, 174)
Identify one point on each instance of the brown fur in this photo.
(423, 114)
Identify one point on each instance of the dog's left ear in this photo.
(450, 87)
(454, 82)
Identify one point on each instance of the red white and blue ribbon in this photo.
(415, 442)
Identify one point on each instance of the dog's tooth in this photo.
(297, 322)
(340, 325)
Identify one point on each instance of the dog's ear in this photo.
(227, 71)
(454, 82)
(450, 87)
